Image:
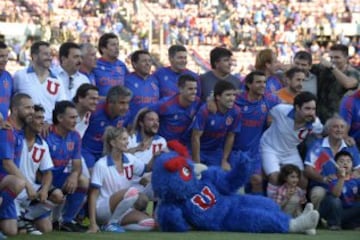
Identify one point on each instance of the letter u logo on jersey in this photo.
(303, 133)
(129, 171)
(205, 200)
(52, 87)
(37, 154)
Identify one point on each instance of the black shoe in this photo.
(56, 226)
(72, 227)
(26, 226)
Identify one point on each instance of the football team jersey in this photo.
(10, 147)
(6, 90)
(46, 94)
(175, 119)
(109, 74)
(99, 120)
(215, 126)
(145, 92)
(109, 180)
(167, 81)
(281, 137)
(254, 116)
(63, 150)
(34, 159)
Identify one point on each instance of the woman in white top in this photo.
(113, 203)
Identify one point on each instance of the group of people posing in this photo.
(79, 139)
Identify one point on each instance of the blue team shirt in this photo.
(109, 74)
(216, 126)
(273, 84)
(11, 146)
(254, 115)
(63, 150)
(350, 112)
(175, 119)
(99, 120)
(350, 192)
(145, 91)
(167, 81)
(6, 89)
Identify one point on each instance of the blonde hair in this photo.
(110, 134)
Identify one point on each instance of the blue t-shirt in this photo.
(167, 81)
(254, 115)
(6, 90)
(145, 92)
(215, 126)
(109, 74)
(175, 119)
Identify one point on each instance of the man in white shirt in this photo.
(290, 126)
(39, 81)
(145, 143)
(68, 71)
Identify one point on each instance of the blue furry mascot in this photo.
(210, 203)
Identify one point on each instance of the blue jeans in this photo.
(332, 211)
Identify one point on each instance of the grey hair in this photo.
(117, 92)
(330, 121)
(110, 134)
(84, 47)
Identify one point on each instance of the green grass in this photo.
(322, 235)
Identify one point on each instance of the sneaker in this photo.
(112, 227)
(334, 228)
(26, 226)
(56, 226)
(72, 227)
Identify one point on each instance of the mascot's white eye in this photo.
(185, 173)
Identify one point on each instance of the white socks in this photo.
(144, 225)
(308, 220)
(130, 197)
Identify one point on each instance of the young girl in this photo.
(113, 203)
(289, 196)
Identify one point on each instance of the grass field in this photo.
(322, 235)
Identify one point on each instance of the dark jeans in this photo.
(332, 211)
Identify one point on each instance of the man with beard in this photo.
(145, 143)
(290, 126)
(12, 180)
(213, 133)
(68, 71)
(38, 80)
(295, 78)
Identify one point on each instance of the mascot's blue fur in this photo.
(211, 203)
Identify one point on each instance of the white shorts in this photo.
(271, 161)
(103, 211)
